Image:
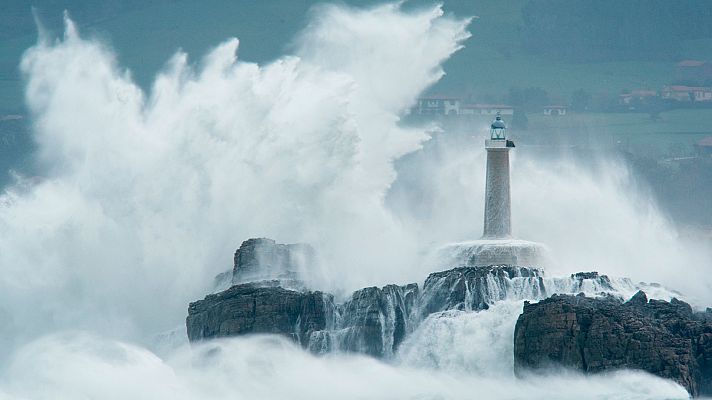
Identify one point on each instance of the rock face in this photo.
(263, 294)
(373, 321)
(263, 259)
(474, 288)
(593, 335)
(259, 308)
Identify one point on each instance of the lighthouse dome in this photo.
(498, 123)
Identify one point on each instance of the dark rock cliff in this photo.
(260, 307)
(263, 295)
(262, 259)
(474, 288)
(373, 321)
(667, 339)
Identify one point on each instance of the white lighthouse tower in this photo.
(498, 212)
(497, 246)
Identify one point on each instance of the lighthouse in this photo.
(497, 246)
(498, 212)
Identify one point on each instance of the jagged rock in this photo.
(581, 278)
(261, 259)
(585, 275)
(640, 299)
(375, 321)
(259, 308)
(473, 288)
(596, 335)
(372, 321)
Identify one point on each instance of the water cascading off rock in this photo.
(372, 320)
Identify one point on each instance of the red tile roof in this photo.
(690, 63)
(680, 88)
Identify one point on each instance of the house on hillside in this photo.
(687, 93)
(486, 109)
(437, 105)
(693, 71)
(555, 110)
(636, 97)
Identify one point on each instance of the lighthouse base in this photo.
(487, 252)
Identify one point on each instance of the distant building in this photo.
(555, 110)
(704, 147)
(636, 96)
(486, 109)
(693, 71)
(687, 93)
(437, 105)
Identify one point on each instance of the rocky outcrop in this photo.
(259, 308)
(263, 259)
(592, 335)
(374, 321)
(474, 288)
(263, 294)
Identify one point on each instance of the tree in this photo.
(535, 98)
(613, 30)
(580, 100)
(531, 99)
(516, 96)
(520, 120)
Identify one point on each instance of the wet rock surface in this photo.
(592, 335)
(372, 321)
(262, 259)
(474, 288)
(376, 320)
(262, 307)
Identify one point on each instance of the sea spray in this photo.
(147, 193)
(267, 367)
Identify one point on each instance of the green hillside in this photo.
(494, 59)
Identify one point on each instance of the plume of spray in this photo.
(149, 194)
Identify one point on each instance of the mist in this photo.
(273, 368)
(145, 195)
